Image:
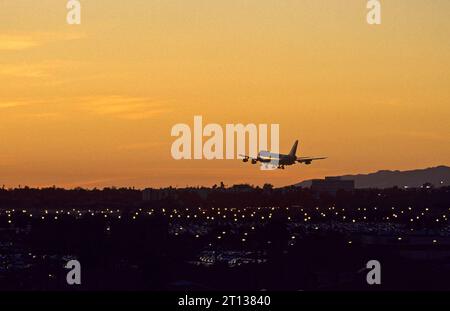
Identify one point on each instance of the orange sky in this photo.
(93, 105)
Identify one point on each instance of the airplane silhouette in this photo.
(281, 160)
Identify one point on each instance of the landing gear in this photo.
(281, 167)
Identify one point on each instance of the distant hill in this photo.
(437, 176)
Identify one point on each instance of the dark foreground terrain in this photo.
(229, 239)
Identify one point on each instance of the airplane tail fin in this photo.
(294, 149)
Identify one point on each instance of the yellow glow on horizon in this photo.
(93, 105)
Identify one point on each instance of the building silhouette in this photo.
(332, 185)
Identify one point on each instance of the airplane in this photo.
(280, 160)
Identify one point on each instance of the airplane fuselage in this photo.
(280, 159)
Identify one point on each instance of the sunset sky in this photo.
(93, 105)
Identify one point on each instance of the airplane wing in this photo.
(308, 160)
(244, 156)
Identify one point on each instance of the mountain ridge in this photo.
(437, 176)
